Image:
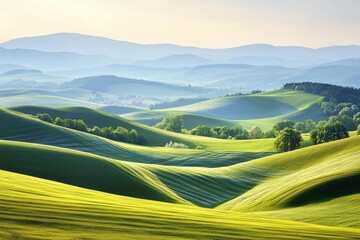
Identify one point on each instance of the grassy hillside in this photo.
(19, 97)
(20, 127)
(262, 110)
(29, 206)
(313, 175)
(84, 170)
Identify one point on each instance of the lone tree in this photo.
(171, 123)
(358, 130)
(288, 139)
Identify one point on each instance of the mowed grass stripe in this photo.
(60, 211)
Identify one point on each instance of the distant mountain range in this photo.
(65, 56)
(129, 52)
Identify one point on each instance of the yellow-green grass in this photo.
(309, 175)
(84, 170)
(262, 110)
(20, 127)
(340, 212)
(206, 187)
(203, 186)
(33, 208)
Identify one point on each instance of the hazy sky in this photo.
(205, 23)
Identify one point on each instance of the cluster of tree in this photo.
(288, 133)
(331, 93)
(339, 103)
(329, 132)
(177, 103)
(220, 132)
(118, 134)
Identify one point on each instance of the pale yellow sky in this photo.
(204, 23)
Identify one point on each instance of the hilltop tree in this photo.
(288, 139)
(358, 130)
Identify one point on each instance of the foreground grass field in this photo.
(33, 208)
(60, 183)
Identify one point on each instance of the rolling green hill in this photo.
(262, 110)
(19, 97)
(37, 208)
(21, 127)
(317, 178)
(82, 169)
(290, 185)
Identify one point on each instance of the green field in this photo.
(270, 188)
(262, 110)
(59, 211)
(60, 183)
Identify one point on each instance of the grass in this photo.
(20, 127)
(84, 170)
(33, 208)
(10, 98)
(311, 175)
(262, 110)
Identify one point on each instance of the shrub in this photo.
(175, 145)
(45, 117)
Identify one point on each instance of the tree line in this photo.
(331, 93)
(118, 134)
(287, 133)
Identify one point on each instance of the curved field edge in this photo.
(246, 111)
(310, 175)
(29, 204)
(84, 170)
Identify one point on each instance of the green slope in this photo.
(262, 110)
(156, 136)
(84, 170)
(311, 175)
(340, 212)
(18, 97)
(34, 208)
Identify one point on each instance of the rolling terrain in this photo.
(184, 187)
(92, 215)
(262, 110)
